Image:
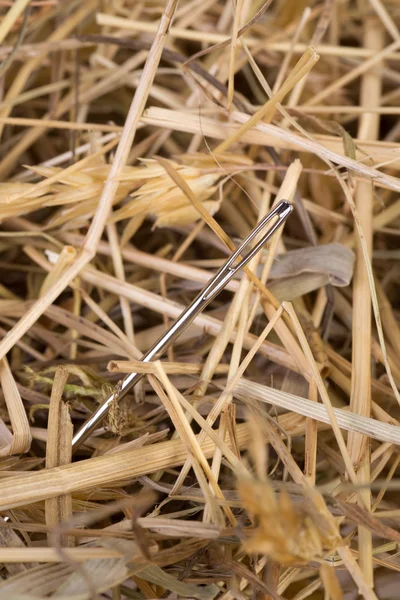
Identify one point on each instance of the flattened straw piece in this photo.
(59, 452)
(19, 441)
(348, 421)
(53, 555)
(88, 474)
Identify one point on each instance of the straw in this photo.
(141, 143)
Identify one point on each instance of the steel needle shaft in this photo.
(212, 288)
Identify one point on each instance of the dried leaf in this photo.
(334, 261)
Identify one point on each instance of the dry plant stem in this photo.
(334, 50)
(389, 322)
(266, 112)
(110, 187)
(65, 29)
(385, 18)
(360, 70)
(214, 357)
(234, 363)
(7, 22)
(322, 391)
(311, 439)
(53, 555)
(58, 452)
(233, 366)
(289, 342)
(149, 300)
(170, 368)
(226, 395)
(57, 124)
(356, 573)
(360, 399)
(193, 448)
(236, 25)
(120, 273)
(248, 390)
(383, 490)
(328, 148)
(288, 188)
(288, 56)
(103, 470)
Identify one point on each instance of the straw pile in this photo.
(141, 141)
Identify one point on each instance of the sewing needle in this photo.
(208, 293)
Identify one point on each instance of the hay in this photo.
(140, 142)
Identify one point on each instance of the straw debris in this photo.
(140, 142)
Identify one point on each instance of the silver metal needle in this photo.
(213, 287)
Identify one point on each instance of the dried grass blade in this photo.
(59, 452)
